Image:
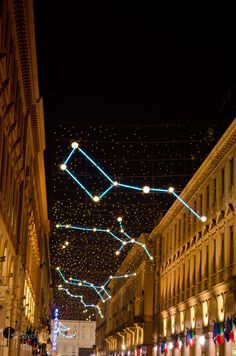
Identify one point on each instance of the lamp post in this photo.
(202, 343)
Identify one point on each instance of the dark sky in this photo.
(147, 96)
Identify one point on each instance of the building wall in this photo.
(24, 257)
(80, 335)
(127, 321)
(197, 261)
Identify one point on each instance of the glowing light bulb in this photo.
(111, 277)
(203, 218)
(96, 198)
(146, 189)
(132, 240)
(74, 145)
(119, 219)
(66, 243)
(171, 189)
(122, 230)
(70, 278)
(60, 285)
(202, 340)
(126, 275)
(63, 166)
(151, 258)
(80, 284)
(57, 226)
(94, 229)
(102, 287)
(108, 230)
(63, 246)
(124, 243)
(115, 183)
(117, 253)
(143, 245)
(67, 226)
(58, 268)
(135, 274)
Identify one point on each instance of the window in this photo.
(222, 250)
(184, 227)
(207, 261)
(214, 257)
(214, 193)
(179, 232)
(207, 198)
(231, 245)
(200, 265)
(194, 266)
(231, 172)
(200, 204)
(195, 209)
(222, 182)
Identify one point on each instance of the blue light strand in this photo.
(98, 289)
(80, 283)
(81, 300)
(95, 164)
(187, 206)
(129, 186)
(122, 242)
(106, 191)
(62, 328)
(73, 150)
(80, 184)
(159, 190)
(115, 183)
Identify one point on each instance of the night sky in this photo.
(146, 115)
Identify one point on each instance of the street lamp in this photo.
(202, 343)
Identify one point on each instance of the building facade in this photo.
(195, 278)
(127, 324)
(75, 337)
(24, 226)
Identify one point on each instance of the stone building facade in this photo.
(24, 226)
(195, 279)
(126, 326)
(193, 275)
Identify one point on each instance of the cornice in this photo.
(25, 36)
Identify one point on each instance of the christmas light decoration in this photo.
(138, 155)
(55, 329)
(63, 329)
(123, 242)
(114, 183)
(81, 300)
(100, 290)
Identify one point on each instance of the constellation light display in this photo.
(63, 329)
(123, 241)
(114, 183)
(100, 290)
(81, 300)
